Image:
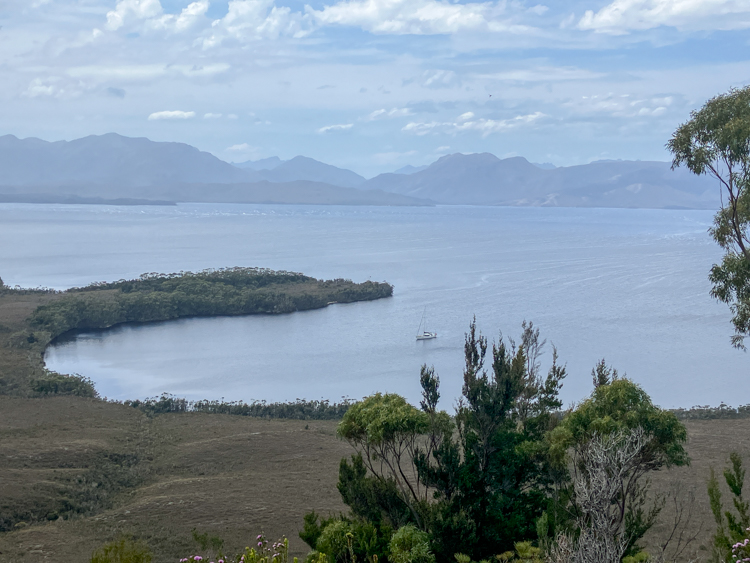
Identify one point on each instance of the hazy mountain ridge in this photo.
(484, 179)
(274, 169)
(114, 167)
(102, 159)
(304, 168)
(262, 164)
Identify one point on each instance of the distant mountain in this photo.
(303, 168)
(409, 169)
(114, 168)
(104, 159)
(484, 179)
(544, 165)
(262, 164)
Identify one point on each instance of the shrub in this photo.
(410, 545)
(123, 550)
(334, 540)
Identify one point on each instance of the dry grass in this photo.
(227, 475)
(230, 476)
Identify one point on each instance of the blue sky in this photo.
(371, 85)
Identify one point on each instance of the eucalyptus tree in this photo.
(716, 141)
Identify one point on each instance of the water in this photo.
(627, 285)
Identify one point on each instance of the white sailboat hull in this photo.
(427, 336)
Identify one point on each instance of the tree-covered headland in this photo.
(31, 318)
(230, 291)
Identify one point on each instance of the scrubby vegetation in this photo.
(231, 291)
(297, 410)
(506, 471)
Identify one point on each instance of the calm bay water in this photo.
(627, 285)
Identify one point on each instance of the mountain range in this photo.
(115, 169)
(484, 179)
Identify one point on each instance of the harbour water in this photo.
(627, 285)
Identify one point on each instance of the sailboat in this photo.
(422, 332)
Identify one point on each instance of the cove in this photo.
(626, 285)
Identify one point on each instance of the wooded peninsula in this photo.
(32, 318)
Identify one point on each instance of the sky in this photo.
(371, 85)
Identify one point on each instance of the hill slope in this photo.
(484, 179)
(110, 158)
(303, 168)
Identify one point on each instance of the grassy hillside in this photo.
(228, 476)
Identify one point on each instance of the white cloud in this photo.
(171, 115)
(54, 87)
(543, 74)
(211, 115)
(387, 114)
(151, 15)
(233, 116)
(622, 16)
(244, 147)
(126, 10)
(249, 20)
(621, 105)
(342, 127)
(416, 17)
(39, 87)
(539, 9)
(439, 79)
(142, 73)
(184, 20)
(466, 122)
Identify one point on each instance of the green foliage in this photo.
(410, 545)
(347, 539)
(58, 384)
(299, 409)
(123, 550)
(381, 422)
(372, 497)
(89, 490)
(490, 477)
(386, 430)
(265, 552)
(206, 541)
(706, 412)
(603, 374)
(716, 141)
(620, 405)
(312, 528)
(333, 540)
(640, 557)
(731, 527)
(614, 409)
(525, 552)
(231, 291)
